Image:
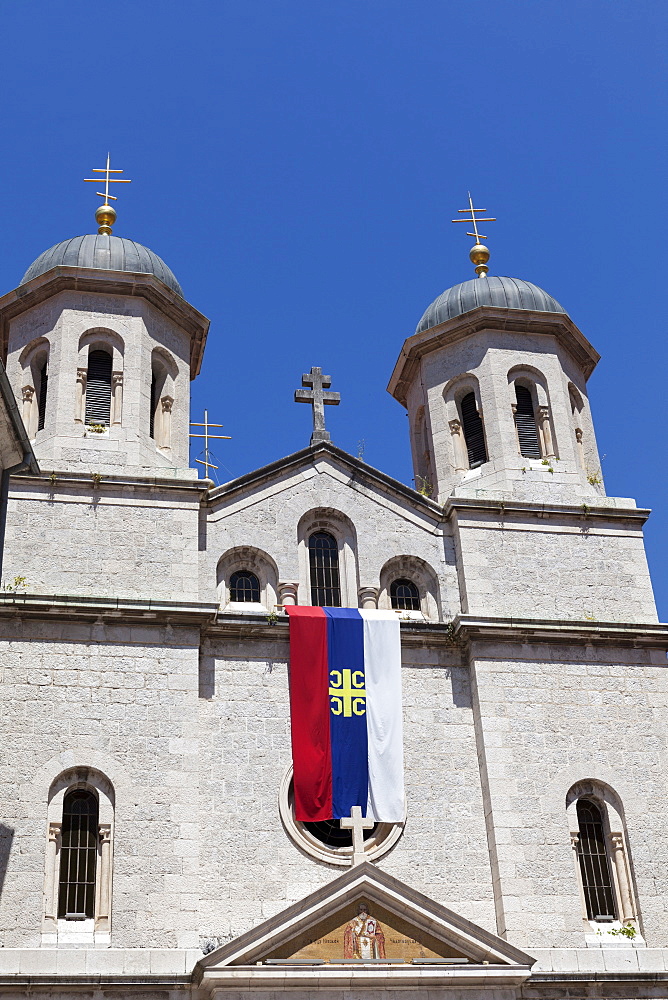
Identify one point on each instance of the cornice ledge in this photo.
(453, 330)
(137, 482)
(345, 976)
(492, 628)
(582, 511)
(92, 279)
(111, 610)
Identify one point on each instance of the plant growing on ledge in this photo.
(424, 486)
(594, 478)
(13, 587)
(96, 428)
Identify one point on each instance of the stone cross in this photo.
(319, 399)
(358, 825)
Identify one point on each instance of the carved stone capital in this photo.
(27, 392)
(617, 841)
(82, 376)
(455, 426)
(54, 831)
(116, 378)
(287, 592)
(575, 840)
(104, 832)
(578, 435)
(167, 403)
(368, 597)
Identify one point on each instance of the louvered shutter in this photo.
(41, 400)
(525, 422)
(474, 434)
(98, 388)
(151, 428)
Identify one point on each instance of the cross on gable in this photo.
(358, 825)
(315, 394)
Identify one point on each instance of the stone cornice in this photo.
(91, 279)
(528, 321)
(583, 511)
(594, 633)
(108, 610)
(109, 482)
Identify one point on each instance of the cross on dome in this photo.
(479, 254)
(106, 215)
(315, 395)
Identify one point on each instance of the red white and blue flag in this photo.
(345, 704)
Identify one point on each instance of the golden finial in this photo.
(105, 216)
(479, 252)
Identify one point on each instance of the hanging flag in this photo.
(345, 705)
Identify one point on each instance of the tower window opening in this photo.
(404, 595)
(154, 403)
(324, 566)
(41, 396)
(594, 862)
(98, 388)
(525, 422)
(474, 434)
(244, 587)
(78, 856)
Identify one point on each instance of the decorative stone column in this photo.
(287, 592)
(51, 878)
(368, 598)
(104, 906)
(28, 396)
(580, 448)
(164, 431)
(459, 446)
(80, 403)
(546, 431)
(619, 855)
(117, 397)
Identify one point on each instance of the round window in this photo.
(326, 841)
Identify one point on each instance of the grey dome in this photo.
(511, 293)
(111, 253)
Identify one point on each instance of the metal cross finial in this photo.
(106, 215)
(479, 253)
(358, 825)
(207, 437)
(319, 399)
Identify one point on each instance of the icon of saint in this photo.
(363, 937)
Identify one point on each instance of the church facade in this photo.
(148, 842)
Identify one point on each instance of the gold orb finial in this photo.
(479, 253)
(106, 215)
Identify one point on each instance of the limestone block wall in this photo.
(251, 867)
(273, 515)
(552, 563)
(114, 538)
(549, 716)
(133, 329)
(124, 701)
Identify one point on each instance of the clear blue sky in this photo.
(297, 165)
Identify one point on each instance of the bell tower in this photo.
(100, 347)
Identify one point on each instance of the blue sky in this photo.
(297, 165)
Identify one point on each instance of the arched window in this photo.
(244, 587)
(474, 435)
(324, 566)
(525, 422)
(594, 862)
(78, 856)
(41, 398)
(404, 595)
(98, 388)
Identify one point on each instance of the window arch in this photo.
(601, 854)
(404, 595)
(98, 387)
(164, 372)
(474, 434)
(79, 858)
(34, 360)
(324, 570)
(244, 587)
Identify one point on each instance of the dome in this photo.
(111, 253)
(509, 293)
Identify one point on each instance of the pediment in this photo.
(367, 925)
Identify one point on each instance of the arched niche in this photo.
(253, 560)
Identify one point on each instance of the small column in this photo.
(117, 397)
(368, 598)
(546, 431)
(287, 592)
(80, 403)
(28, 395)
(165, 429)
(619, 854)
(580, 448)
(459, 446)
(103, 914)
(575, 840)
(51, 878)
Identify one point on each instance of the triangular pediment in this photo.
(364, 921)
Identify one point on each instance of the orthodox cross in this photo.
(479, 253)
(107, 180)
(105, 214)
(207, 437)
(358, 825)
(317, 382)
